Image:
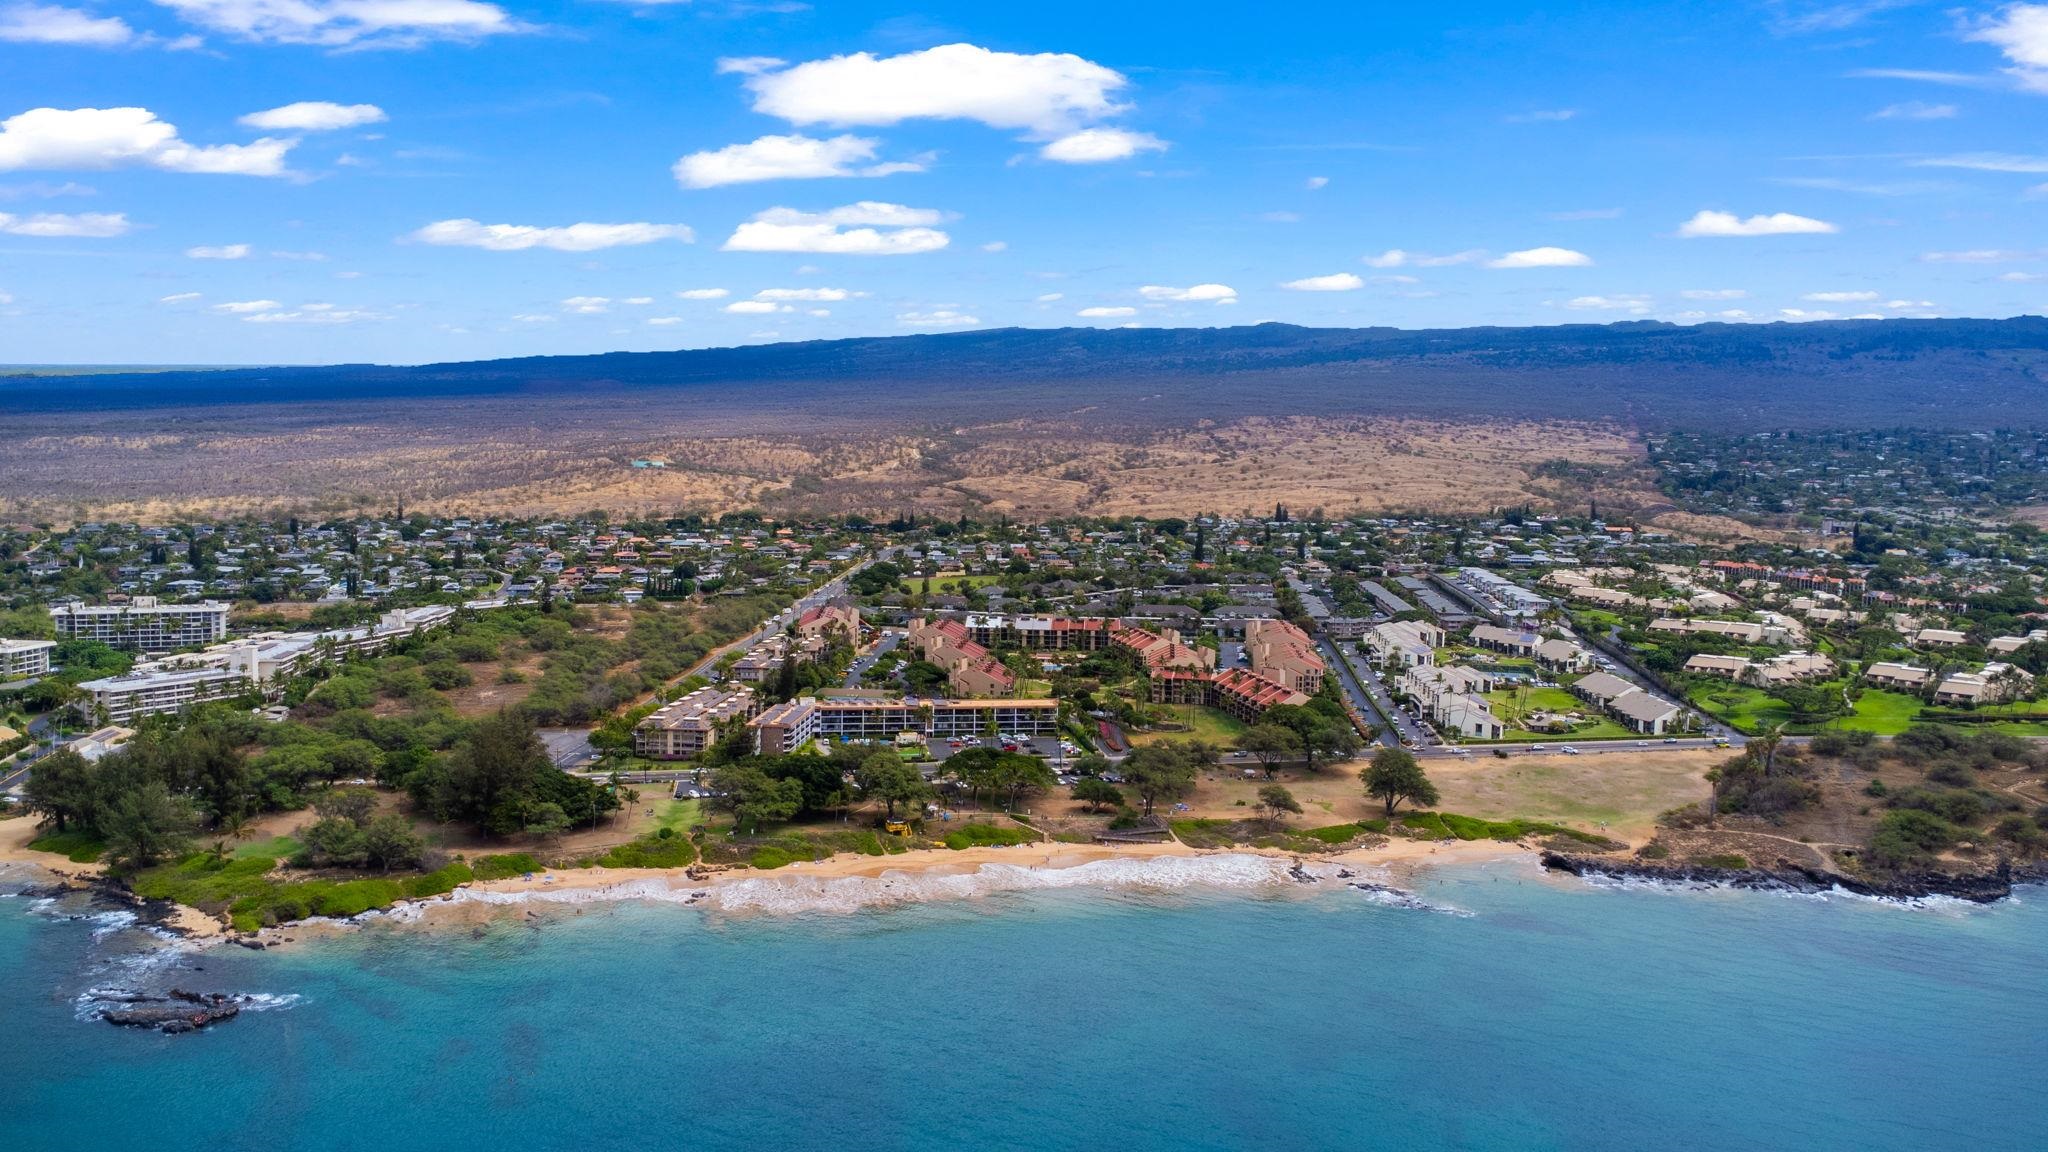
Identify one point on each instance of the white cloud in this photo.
(1986, 162)
(1106, 313)
(1543, 116)
(664, 321)
(2021, 32)
(1897, 305)
(1048, 93)
(638, 301)
(534, 318)
(82, 225)
(1714, 293)
(1315, 182)
(1200, 293)
(51, 24)
(1805, 314)
(756, 307)
(869, 228)
(315, 314)
(314, 116)
(937, 318)
(1545, 257)
(348, 23)
(1334, 282)
(178, 298)
(587, 305)
(996, 246)
(115, 137)
(310, 257)
(2022, 277)
(703, 294)
(1397, 258)
(1577, 214)
(1100, 145)
(1838, 297)
(1915, 110)
(245, 307)
(748, 65)
(1705, 223)
(1635, 304)
(786, 158)
(218, 252)
(467, 233)
(1051, 297)
(812, 294)
(1978, 256)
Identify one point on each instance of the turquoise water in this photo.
(1553, 1016)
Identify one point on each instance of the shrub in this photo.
(506, 866)
(772, 857)
(1731, 861)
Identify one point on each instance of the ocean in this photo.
(1501, 1009)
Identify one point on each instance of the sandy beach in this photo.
(839, 883)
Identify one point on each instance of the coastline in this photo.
(839, 883)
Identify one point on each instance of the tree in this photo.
(547, 820)
(146, 825)
(1271, 743)
(60, 788)
(1097, 793)
(1275, 799)
(1394, 776)
(1159, 772)
(884, 776)
(752, 797)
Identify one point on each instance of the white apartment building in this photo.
(122, 700)
(23, 658)
(144, 624)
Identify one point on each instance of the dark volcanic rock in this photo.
(1979, 887)
(173, 1012)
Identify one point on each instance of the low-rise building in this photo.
(788, 726)
(1725, 667)
(127, 698)
(1995, 684)
(1284, 654)
(1404, 643)
(20, 659)
(1939, 638)
(1890, 675)
(1243, 694)
(688, 726)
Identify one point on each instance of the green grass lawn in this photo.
(1206, 724)
(1745, 708)
(680, 815)
(1508, 704)
(275, 848)
(959, 583)
(1882, 712)
(1031, 689)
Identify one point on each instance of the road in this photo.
(1372, 702)
(1585, 747)
(776, 623)
(890, 638)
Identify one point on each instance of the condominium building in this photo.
(688, 726)
(23, 658)
(1284, 654)
(1244, 695)
(790, 725)
(143, 624)
(127, 698)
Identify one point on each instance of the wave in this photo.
(1950, 905)
(790, 893)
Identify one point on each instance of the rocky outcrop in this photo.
(172, 1012)
(1785, 876)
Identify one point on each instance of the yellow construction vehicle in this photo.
(897, 827)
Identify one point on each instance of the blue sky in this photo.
(240, 181)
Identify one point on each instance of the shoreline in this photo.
(839, 883)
